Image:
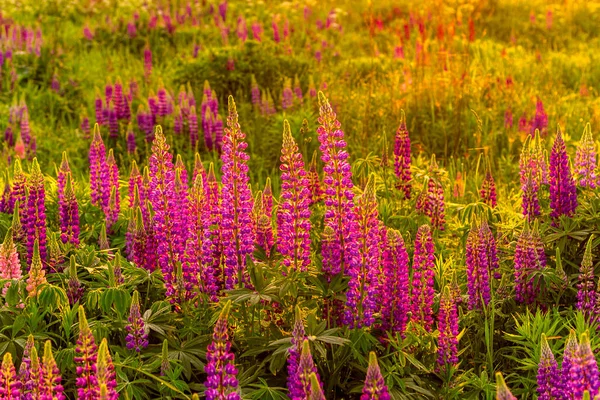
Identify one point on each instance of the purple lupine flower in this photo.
(118, 100)
(422, 291)
(25, 367)
(341, 252)
(87, 33)
(276, 36)
(113, 123)
(293, 215)
(98, 170)
(294, 385)
(563, 193)
(236, 229)
(548, 378)
(223, 10)
(32, 388)
(162, 102)
(448, 328)
(85, 360)
(530, 203)
(137, 338)
(193, 127)
(99, 109)
(50, 387)
(503, 392)
(402, 156)
(147, 62)
(131, 30)
(374, 387)
(488, 190)
(585, 160)
(69, 214)
(262, 228)
(394, 289)
(112, 185)
(36, 212)
(569, 356)
(75, 289)
(215, 244)
(297, 88)
(26, 131)
(178, 121)
(306, 369)
(478, 262)
(10, 386)
(105, 374)
(529, 257)
(431, 199)
(540, 120)
(586, 293)
(221, 381)
(533, 161)
(9, 136)
(167, 218)
(584, 370)
(85, 126)
(361, 296)
(131, 145)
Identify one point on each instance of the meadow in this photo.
(299, 200)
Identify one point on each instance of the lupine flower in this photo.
(503, 392)
(221, 382)
(37, 275)
(131, 145)
(297, 88)
(69, 214)
(529, 257)
(9, 384)
(585, 160)
(563, 193)
(316, 388)
(85, 360)
(112, 213)
(287, 96)
(361, 296)
(147, 62)
(533, 161)
(10, 265)
(18, 189)
(569, 356)
(584, 371)
(340, 254)
(394, 296)
(75, 289)
(99, 175)
(422, 281)
(488, 190)
(402, 154)
(306, 368)
(236, 230)
(448, 328)
(165, 365)
(314, 182)
(36, 212)
(298, 335)
(25, 367)
(586, 294)
(431, 199)
(548, 378)
(540, 120)
(293, 214)
(374, 387)
(26, 131)
(50, 385)
(32, 389)
(530, 203)
(481, 260)
(242, 29)
(262, 228)
(105, 373)
(137, 338)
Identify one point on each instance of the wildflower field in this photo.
(299, 200)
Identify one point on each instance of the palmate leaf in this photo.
(262, 391)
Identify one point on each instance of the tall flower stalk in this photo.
(548, 378)
(402, 155)
(394, 296)
(586, 287)
(423, 279)
(448, 328)
(85, 360)
(36, 212)
(529, 257)
(563, 193)
(51, 387)
(105, 373)
(137, 338)
(69, 214)
(586, 165)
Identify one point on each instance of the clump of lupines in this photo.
(585, 160)
(502, 391)
(9, 384)
(10, 265)
(548, 379)
(221, 381)
(563, 193)
(488, 190)
(293, 215)
(584, 371)
(448, 328)
(394, 289)
(431, 199)
(168, 218)
(481, 259)
(361, 301)
(374, 387)
(236, 202)
(341, 251)
(529, 257)
(50, 385)
(35, 224)
(105, 373)
(423, 279)
(586, 293)
(85, 360)
(402, 154)
(37, 275)
(137, 338)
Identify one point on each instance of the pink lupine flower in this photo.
(10, 265)
(563, 193)
(422, 291)
(402, 155)
(105, 373)
(448, 328)
(85, 360)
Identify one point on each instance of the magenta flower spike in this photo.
(118, 100)
(586, 164)
(431, 199)
(32, 388)
(488, 190)
(374, 387)
(254, 92)
(540, 120)
(85, 360)
(569, 357)
(293, 214)
(563, 193)
(236, 226)
(112, 186)
(361, 303)
(548, 378)
(9, 384)
(422, 291)
(502, 391)
(402, 154)
(99, 174)
(69, 214)
(586, 287)
(105, 373)
(18, 190)
(294, 384)
(37, 275)
(221, 381)
(448, 328)
(193, 127)
(340, 215)
(99, 109)
(131, 144)
(75, 289)
(50, 386)
(481, 258)
(584, 371)
(137, 337)
(394, 296)
(529, 257)
(35, 223)
(287, 96)
(306, 368)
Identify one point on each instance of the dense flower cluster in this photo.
(35, 222)
(395, 299)
(422, 290)
(448, 328)
(85, 360)
(481, 261)
(548, 378)
(563, 193)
